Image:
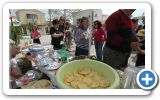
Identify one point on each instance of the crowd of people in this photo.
(113, 41)
(61, 31)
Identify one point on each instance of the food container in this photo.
(33, 75)
(29, 76)
(25, 51)
(56, 54)
(130, 73)
(42, 60)
(40, 84)
(52, 65)
(37, 49)
(122, 78)
(111, 75)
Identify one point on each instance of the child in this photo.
(36, 35)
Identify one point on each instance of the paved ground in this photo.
(46, 39)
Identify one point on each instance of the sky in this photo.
(136, 13)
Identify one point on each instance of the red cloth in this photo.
(35, 35)
(99, 35)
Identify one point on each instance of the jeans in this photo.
(98, 47)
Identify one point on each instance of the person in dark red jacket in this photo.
(120, 39)
(99, 37)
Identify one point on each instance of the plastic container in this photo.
(63, 54)
(130, 75)
(111, 74)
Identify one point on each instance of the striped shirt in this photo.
(81, 41)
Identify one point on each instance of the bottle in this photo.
(63, 53)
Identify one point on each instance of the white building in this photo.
(92, 14)
(104, 18)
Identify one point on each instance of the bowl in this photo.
(110, 73)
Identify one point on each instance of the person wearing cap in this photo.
(120, 39)
(135, 24)
(141, 57)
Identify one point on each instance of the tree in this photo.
(50, 20)
(30, 26)
(16, 33)
(56, 13)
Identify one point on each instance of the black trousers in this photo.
(140, 60)
(36, 41)
(80, 51)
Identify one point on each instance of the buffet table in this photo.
(47, 61)
(44, 60)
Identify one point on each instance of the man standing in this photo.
(120, 39)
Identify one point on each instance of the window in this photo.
(32, 16)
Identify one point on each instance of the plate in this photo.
(53, 66)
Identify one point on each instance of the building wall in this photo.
(97, 15)
(92, 14)
(40, 22)
(42, 30)
(104, 18)
(21, 16)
